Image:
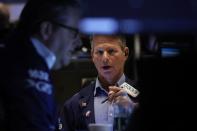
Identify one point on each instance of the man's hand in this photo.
(119, 96)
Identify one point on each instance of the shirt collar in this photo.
(44, 52)
(98, 84)
(121, 80)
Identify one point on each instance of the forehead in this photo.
(70, 17)
(106, 39)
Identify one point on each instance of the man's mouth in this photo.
(106, 67)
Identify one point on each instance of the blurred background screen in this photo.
(132, 16)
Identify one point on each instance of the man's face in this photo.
(108, 57)
(64, 40)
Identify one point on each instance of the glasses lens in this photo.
(74, 31)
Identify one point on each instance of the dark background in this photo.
(167, 84)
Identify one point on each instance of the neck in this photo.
(106, 83)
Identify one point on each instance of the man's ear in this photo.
(46, 30)
(126, 51)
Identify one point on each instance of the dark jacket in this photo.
(75, 111)
(26, 89)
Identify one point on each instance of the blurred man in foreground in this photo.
(45, 37)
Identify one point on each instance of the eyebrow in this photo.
(66, 26)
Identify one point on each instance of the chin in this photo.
(107, 76)
(62, 64)
(66, 62)
(56, 67)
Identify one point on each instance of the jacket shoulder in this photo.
(84, 92)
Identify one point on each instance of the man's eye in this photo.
(111, 51)
(99, 52)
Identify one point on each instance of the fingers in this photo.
(119, 95)
(114, 88)
(125, 101)
(115, 92)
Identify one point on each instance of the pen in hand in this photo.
(129, 89)
(104, 100)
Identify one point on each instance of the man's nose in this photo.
(105, 54)
(105, 57)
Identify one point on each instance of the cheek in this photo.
(119, 61)
(96, 62)
(66, 45)
(63, 40)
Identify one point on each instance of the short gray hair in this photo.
(121, 37)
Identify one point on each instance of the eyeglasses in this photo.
(72, 29)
